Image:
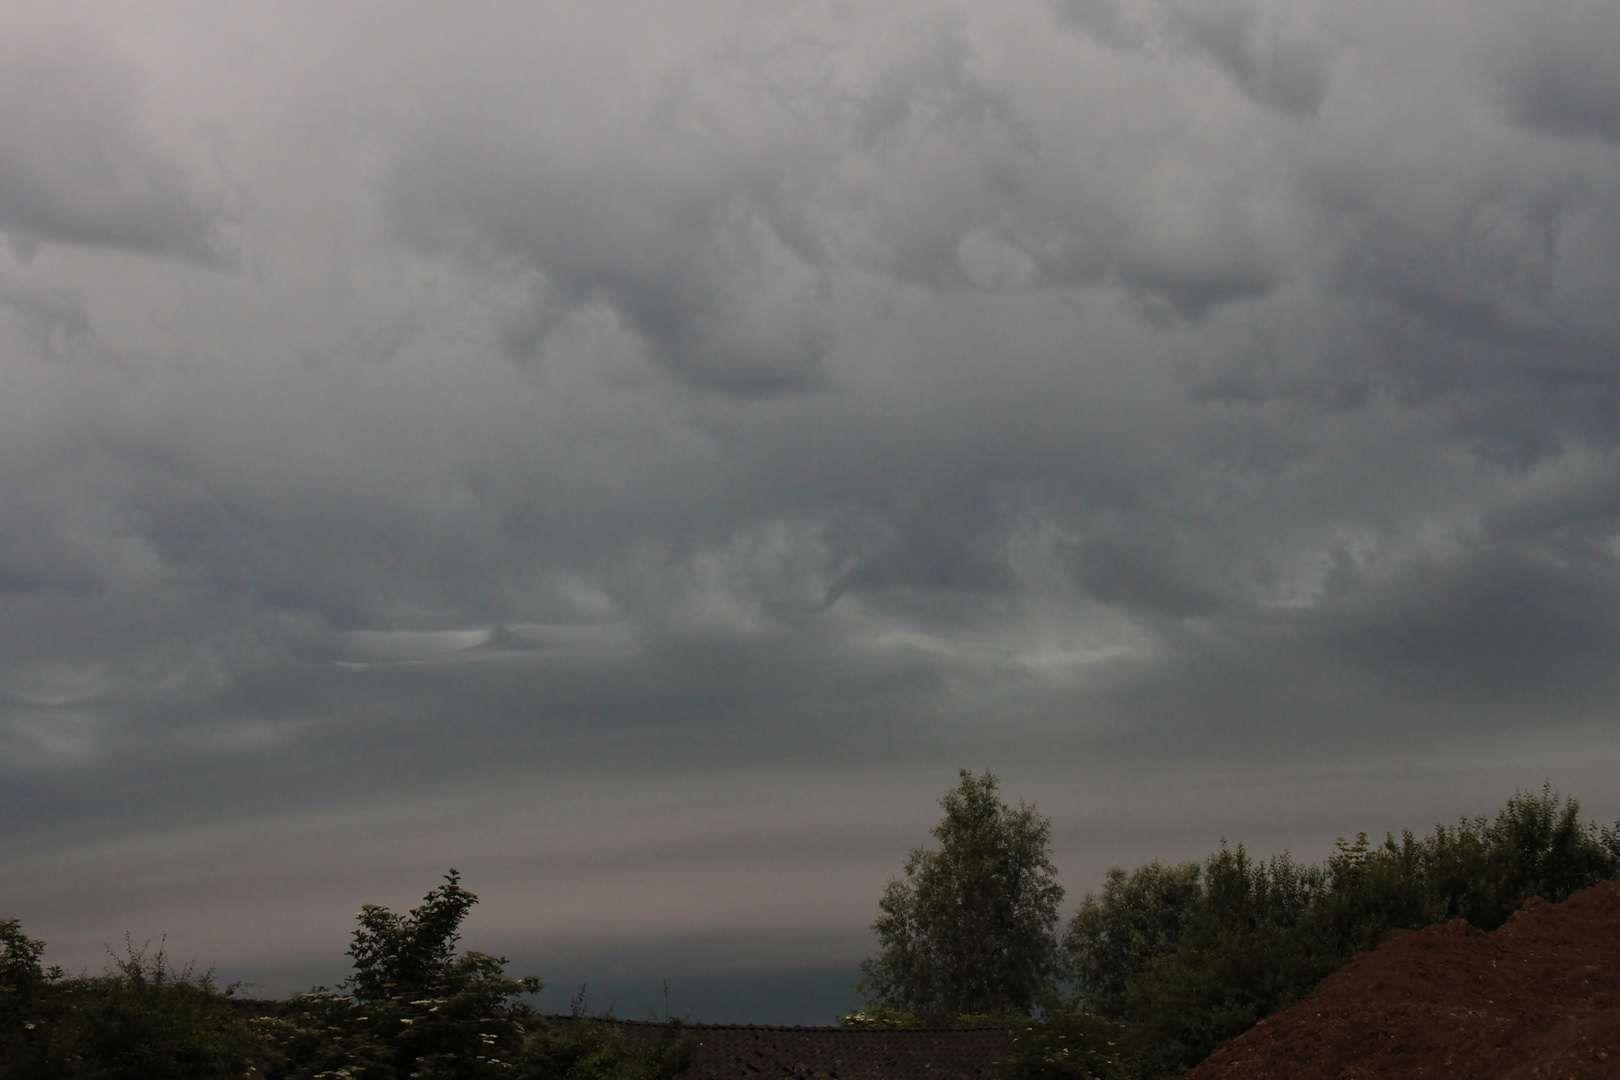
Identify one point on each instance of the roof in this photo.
(750, 1052)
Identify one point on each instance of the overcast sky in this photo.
(635, 453)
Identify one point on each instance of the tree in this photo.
(1140, 916)
(972, 927)
(414, 1008)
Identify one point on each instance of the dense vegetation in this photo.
(1167, 962)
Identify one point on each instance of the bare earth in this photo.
(1540, 997)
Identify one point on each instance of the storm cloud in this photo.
(644, 456)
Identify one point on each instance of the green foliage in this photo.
(1186, 957)
(410, 955)
(414, 1008)
(1244, 953)
(971, 927)
(146, 1020)
(1067, 1044)
(1140, 915)
(142, 1020)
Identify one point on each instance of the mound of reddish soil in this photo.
(1539, 997)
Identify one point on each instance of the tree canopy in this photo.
(970, 928)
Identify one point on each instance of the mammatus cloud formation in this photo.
(644, 456)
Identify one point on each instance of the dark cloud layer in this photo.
(644, 457)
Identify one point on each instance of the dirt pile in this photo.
(1537, 998)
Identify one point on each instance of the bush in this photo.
(142, 1020)
(1067, 1045)
(146, 1020)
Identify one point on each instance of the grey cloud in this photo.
(1506, 625)
(1138, 573)
(1466, 295)
(1071, 228)
(1557, 73)
(76, 168)
(1494, 642)
(33, 560)
(1268, 60)
(703, 276)
(1277, 70)
(1576, 519)
(1105, 20)
(1472, 308)
(723, 268)
(1188, 290)
(1485, 266)
(54, 321)
(1077, 236)
(713, 234)
(242, 548)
